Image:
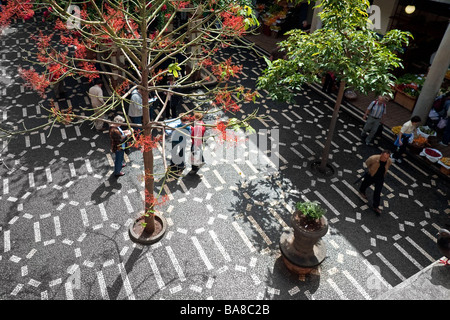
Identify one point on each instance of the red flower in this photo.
(34, 80)
(225, 70)
(122, 87)
(48, 12)
(146, 143)
(43, 41)
(21, 9)
(232, 24)
(153, 201)
(180, 4)
(207, 62)
(88, 70)
(59, 25)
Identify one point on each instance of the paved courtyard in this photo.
(64, 218)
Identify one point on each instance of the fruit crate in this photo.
(445, 169)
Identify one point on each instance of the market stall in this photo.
(422, 145)
(277, 17)
(407, 89)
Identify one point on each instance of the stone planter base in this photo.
(298, 262)
(299, 270)
(138, 234)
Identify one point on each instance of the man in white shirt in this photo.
(135, 109)
(408, 130)
(96, 95)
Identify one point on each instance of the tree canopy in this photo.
(138, 44)
(345, 46)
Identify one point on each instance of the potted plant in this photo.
(407, 89)
(302, 247)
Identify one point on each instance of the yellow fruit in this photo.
(396, 129)
(446, 161)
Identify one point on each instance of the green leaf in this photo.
(173, 69)
(269, 63)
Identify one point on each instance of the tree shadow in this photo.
(281, 277)
(267, 205)
(264, 203)
(118, 284)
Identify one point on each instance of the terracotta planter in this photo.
(302, 249)
(405, 100)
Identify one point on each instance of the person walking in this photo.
(135, 108)
(174, 100)
(377, 167)
(329, 82)
(96, 96)
(179, 138)
(118, 138)
(446, 135)
(374, 118)
(197, 134)
(408, 130)
(58, 83)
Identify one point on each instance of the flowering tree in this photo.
(149, 43)
(345, 46)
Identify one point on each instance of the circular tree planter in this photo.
(328, 172)
(138, 234)
(301, 247)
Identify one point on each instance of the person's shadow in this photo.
(105, 190)
(191, 181)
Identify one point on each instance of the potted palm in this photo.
(302, 247)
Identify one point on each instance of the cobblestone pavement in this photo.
(64, 219)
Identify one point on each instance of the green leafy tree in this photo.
(345, 46)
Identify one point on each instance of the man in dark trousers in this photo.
(377, 167)
(174, 100)
(374, 118)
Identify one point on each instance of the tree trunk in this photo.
(326, 149)
(149, 179)
(149, 217)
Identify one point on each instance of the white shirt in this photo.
(408, 127)
(135, 109)
(96, 95)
